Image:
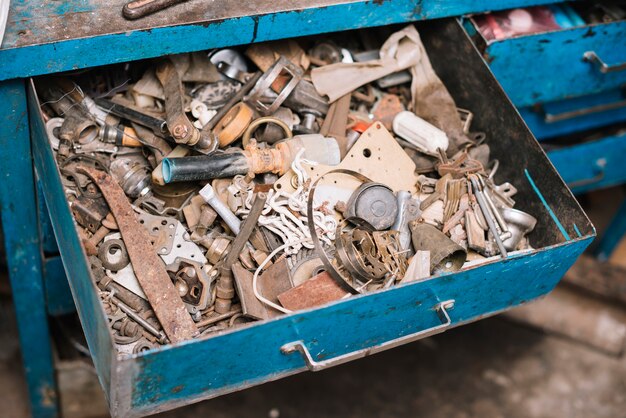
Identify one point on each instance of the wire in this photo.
(258, 270)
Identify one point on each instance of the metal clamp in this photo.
(442, 312)
(591, 56)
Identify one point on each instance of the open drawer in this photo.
(558, 64)
(178, 374)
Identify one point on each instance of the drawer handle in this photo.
(442, 312)
(559, 117)
(591, 56)
(600, 165)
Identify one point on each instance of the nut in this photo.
(180, 131)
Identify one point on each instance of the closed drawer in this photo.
(206, 367)
(564, 117)
(592, 165)
(551, 66)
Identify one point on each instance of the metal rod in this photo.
(139, 319)
(484, 207)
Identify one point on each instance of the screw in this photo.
(180, 131)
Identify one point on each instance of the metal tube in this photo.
(204, 167)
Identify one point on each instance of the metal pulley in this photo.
(373, 204)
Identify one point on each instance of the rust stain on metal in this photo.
(149, 269)
(316, 291)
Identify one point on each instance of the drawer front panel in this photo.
(178, 374)
(592, 165)
(169, 378)
(575, 115)
(550, 66)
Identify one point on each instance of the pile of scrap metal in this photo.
(213, 189)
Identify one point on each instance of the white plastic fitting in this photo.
(415, 130)
(209, 196)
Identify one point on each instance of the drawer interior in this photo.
(250, 353)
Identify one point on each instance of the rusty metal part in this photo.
(386, 109)
(78, 129)
(358, 253)
(179, 125)
(316, 291)
(233, 124)
(266, 82)
(390, 252)
(113, 248)
(460, 167)
(445, 254)
(270, 284)
(141, 320)
(265, 120)
(192, 282)
(151, 274)
(225, 286)
(134, 114)
(336, 122)
(272, 133)
(218, 249)
(91, 243)
(89, 212)
(215, 319)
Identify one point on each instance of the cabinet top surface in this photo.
(35, 22)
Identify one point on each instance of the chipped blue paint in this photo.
(592, 165)
(21, 236)
(252, 355)
(549, 66)
(546, 205)
(46, 56)
(88, 306)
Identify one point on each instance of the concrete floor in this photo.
(493, 368)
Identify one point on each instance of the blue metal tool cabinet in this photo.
(48, 37)
(560, 91)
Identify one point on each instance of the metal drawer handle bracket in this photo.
(441, 308)
(591, 56)
(600, 166)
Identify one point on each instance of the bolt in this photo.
(180, 131)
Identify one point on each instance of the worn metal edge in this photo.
(72, 54)
(99, 341)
